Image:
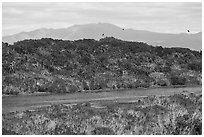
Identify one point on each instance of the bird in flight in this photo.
(188, 30)
(123, 29)
(102, 34)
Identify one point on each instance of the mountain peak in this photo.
(100, 24)
(100, 30)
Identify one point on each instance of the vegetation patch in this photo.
(179, 114)
(57, 66)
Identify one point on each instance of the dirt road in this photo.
(24, 102)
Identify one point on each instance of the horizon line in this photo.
(53, 28)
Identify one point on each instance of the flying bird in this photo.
(188, 30)
(102, 34)
(123, 29)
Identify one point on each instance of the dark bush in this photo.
(175, 80)
(7, 132)
(196, 127)
(58, 86)
(196, 66)
(73, 88)
(85, 86)
(186, 125)
(102, 131)
(41, 89)
(63, 130)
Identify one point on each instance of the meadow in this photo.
(173, 114)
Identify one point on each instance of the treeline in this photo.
(59, 66)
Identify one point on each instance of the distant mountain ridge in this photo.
(100, 30)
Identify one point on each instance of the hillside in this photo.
(59, 66)
(101, 30)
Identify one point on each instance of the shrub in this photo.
(196, 66)
(159, 79)
(186, 125)
(7, 132)
(102, 131)
(63, 130)
(194, 81)
(58, 86)
(11, 90)
(176, 80)
(85, 85)
(72, 88)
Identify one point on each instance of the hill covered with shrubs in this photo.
(58, 66)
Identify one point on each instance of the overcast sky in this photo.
(157, 17)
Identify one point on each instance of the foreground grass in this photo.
(178, 114)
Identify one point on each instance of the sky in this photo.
(157, 17)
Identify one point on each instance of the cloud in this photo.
(160, 17)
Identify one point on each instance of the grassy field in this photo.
(25, 102)
(175, 114)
